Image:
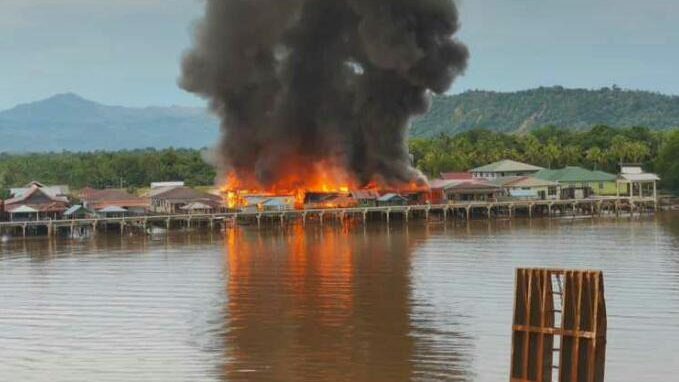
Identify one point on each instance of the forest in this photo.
(601, 147)
(103, 169)
(527, 110)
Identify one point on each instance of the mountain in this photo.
(70, 122)
(565, 108)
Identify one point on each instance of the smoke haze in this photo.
(297, 82)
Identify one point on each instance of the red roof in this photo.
(365, 194)
(97, 199)
(456, 175)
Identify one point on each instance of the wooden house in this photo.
(437, 194)
(36, 203)
(477, 190)
(506, 167)
(79, 211)
(58, 190)
(528, 187)
(170, 200)
(634, 182)
(392, 199)
(365, 198)
(98, 200)
(580, 183)
(278, 203)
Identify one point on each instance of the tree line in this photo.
(121, 169)
(601, 147)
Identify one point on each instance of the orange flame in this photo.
(300, 180)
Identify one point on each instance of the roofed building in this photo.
(633, 181)
(58, 190)
(579, 183)
(36, 203)
(98, 200)
(506, 167)
(528, 187)
(78, 211)
(437, 189)
(392, 199)
(477, 190)
(170, 200)
(365, 198)
(457, 176)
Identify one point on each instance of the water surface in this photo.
(338, 304)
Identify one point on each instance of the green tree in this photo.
(596, 158)
(667, 163)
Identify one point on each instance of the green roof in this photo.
(506, 165)
(575, 175)
(523, 181)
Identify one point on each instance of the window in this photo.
(601, 185)
(551, 191)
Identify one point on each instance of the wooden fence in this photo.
(558, 315)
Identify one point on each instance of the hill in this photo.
(576, 109)
(70, 122)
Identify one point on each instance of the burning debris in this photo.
(317, 95)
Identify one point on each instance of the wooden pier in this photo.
(442, 212)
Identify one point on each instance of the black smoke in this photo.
(302, 81)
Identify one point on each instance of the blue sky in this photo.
(127, 52)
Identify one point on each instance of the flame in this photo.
(298, 181)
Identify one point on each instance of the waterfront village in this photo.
(505, 180)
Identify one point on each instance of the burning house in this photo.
(315, 97)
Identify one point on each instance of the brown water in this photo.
(405, 303)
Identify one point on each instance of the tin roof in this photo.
(33, 191)
(112, 209)
(507, 165)
(523, 181)
(572, 174)
(390, 196)
(23, 209)
(644, 177)
(365, 195)
(75, 209)
(196, 206)
(456, 175)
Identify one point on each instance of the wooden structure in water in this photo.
(559, 326)
(465, 211)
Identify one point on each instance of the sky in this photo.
(127, 52)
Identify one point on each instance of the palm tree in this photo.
(596, 157)
(619, 149)
(570, 155)
(552, 153)
(638, 151)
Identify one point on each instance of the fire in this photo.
(300, 181)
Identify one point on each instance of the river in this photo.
(417, 302)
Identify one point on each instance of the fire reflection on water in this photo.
(300, 310)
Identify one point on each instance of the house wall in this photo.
(608, 188)
(538, 191)
(472, 196)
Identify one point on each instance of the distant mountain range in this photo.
(565, 108)
(70, 122)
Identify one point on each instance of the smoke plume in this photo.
(297, 82)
